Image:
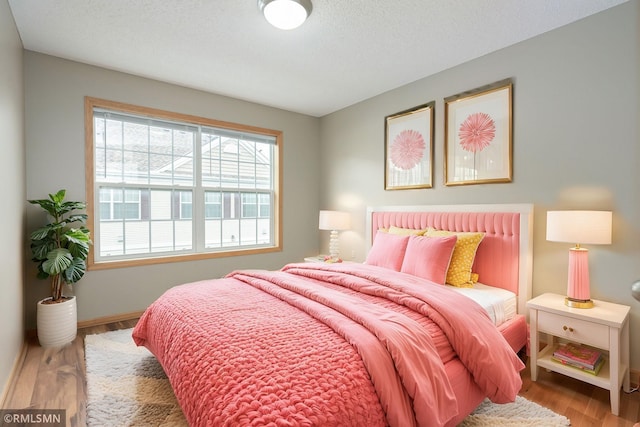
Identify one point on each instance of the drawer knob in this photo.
(567, 328)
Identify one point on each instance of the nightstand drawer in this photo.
(573, 329)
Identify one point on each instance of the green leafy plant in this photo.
(61, 247)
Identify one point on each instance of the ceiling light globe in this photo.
(285, 14)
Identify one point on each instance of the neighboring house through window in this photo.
(168, 187)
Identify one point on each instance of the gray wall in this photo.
(12, 172)
(576, 145)
(55, 90)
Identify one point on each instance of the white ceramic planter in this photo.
(57, 323)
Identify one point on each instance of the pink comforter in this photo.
(315, 344)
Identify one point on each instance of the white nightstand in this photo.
(605, 326)
(317, 258)
(320, 258)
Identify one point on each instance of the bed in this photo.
(355, 343)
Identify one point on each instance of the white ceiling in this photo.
(347, 51)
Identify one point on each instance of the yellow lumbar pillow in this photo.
(405, 231)
(459, 272)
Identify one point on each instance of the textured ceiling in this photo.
(347, 51)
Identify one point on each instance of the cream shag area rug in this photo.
(126, 386)
(520, 413)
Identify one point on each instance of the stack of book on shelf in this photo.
(580, 357)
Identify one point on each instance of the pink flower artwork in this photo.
(407, 149)
(477, 132)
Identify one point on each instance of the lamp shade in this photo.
(580, 227)
(285, 14)
(334, 220)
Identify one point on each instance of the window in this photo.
(119, 204)
(169, 187)
(255, 205)
(212, 205)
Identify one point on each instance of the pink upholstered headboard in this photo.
(503, 258)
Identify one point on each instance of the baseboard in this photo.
(12, 380)
(110, 319)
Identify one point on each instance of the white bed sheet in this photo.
(500, 304)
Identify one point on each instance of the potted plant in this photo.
(60, 248)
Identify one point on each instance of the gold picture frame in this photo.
(408, 148)
(479, 135)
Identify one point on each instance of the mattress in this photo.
(500, 304)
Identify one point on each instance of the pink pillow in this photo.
(429, 257)
(387, 250)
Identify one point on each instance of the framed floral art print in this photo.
(408, 148)
(478, 135)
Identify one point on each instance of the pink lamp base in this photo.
(578, 294)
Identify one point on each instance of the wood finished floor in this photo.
(55, 379)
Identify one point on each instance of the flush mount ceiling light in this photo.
(285, 14)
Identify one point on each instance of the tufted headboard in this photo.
(505, 256)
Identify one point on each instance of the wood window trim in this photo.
(90, 103)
